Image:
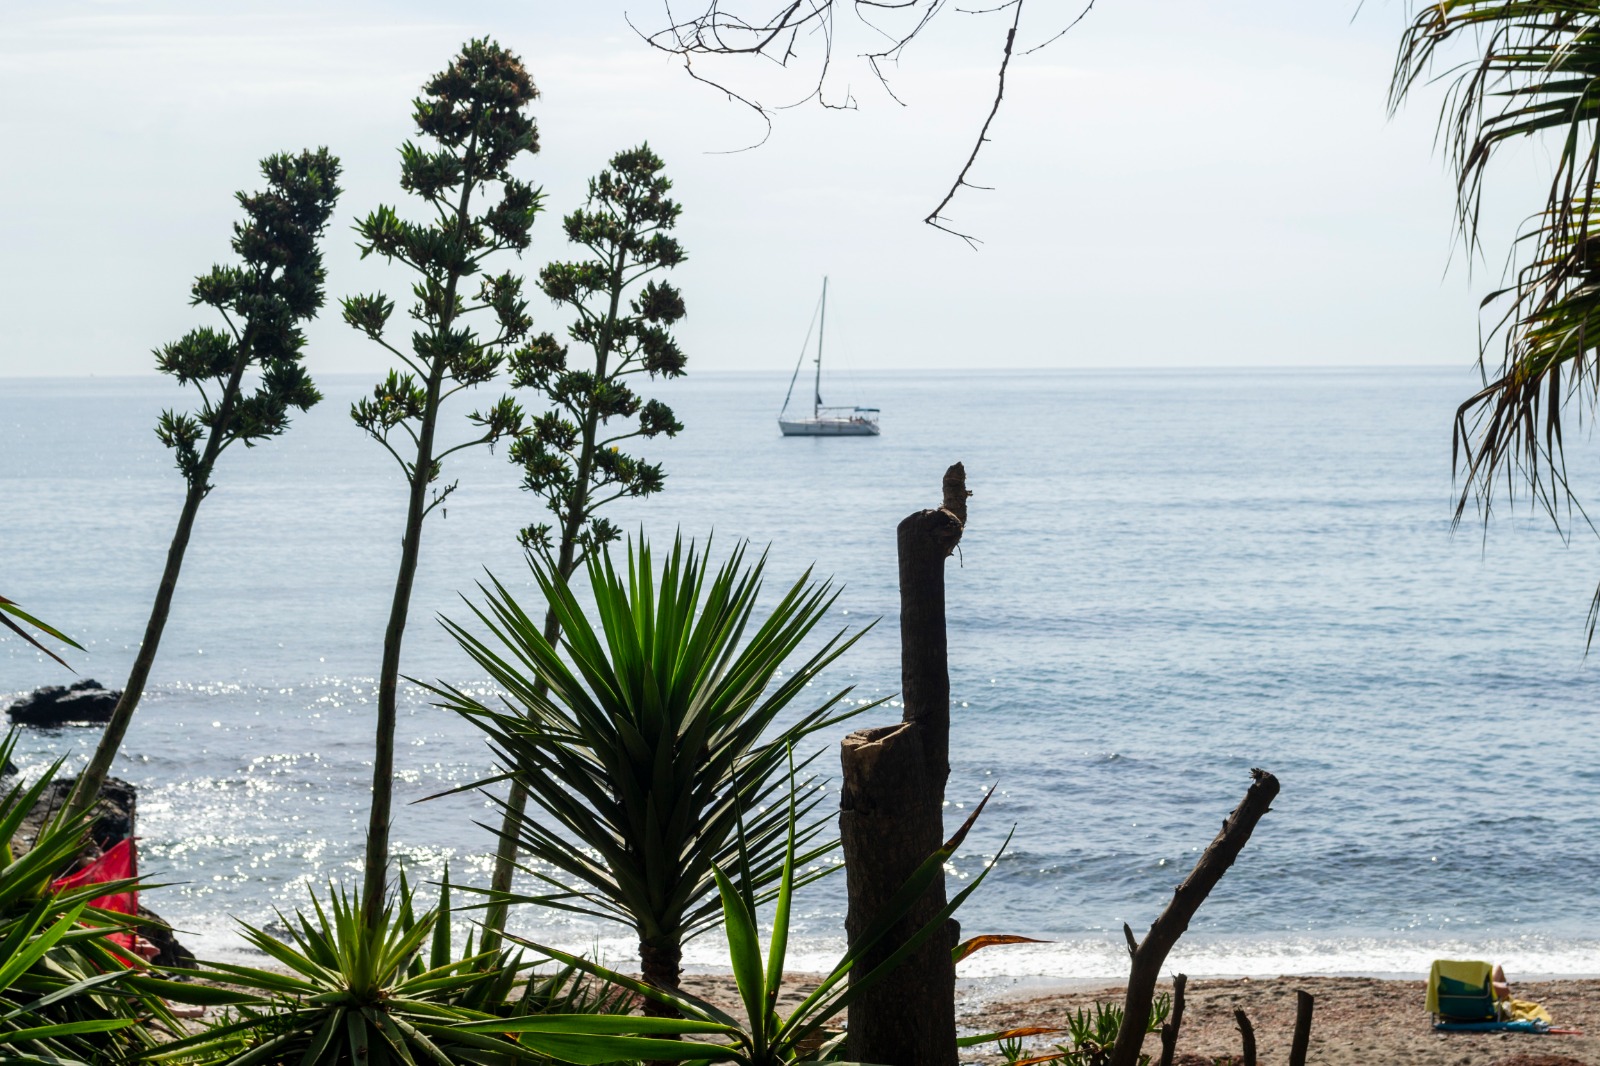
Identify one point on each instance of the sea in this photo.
(1168, 578)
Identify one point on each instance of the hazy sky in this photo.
(1176, 183)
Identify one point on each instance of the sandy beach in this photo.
(1358, 1021)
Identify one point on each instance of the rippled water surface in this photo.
(1168, 578)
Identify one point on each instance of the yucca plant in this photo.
(65, 994)
(764, 1038)
(349, 992)
(652, 736)
(1092, 1035)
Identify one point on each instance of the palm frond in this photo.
(1533, 71)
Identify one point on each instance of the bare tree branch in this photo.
(1064, 30)
(935, 219)
(718, 30)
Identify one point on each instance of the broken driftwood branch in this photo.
(1148, 955)
(1247, 1037)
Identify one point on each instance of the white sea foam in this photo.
(1096, 961)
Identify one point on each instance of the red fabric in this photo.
(117, 864)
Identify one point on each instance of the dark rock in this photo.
(114, 815)
(50, 707)
(160, 934)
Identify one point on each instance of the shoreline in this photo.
(1066, 961)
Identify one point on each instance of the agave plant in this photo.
(1094, 1034)
(650, 744)
(347, 992)
(764, 1038)
(66, 996)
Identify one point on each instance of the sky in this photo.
(1173, 183)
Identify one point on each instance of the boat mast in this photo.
(822, 327)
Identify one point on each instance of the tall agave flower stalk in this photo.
(571, 455)
(474, 113)
(262, 302)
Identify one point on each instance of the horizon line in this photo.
(1098, 368)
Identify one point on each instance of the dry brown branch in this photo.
(1247, 1038)
(1149, 955)
(1304, 1002)
(1169, 1028)
(719, 31)
(935, 218)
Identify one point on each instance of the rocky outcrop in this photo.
(160, 934)
(115, 816)
(53, 706)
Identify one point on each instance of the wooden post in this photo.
(1247, 1037)
(1169, 1029)
(891, 811)
(1304, 1001)
(1186, 899)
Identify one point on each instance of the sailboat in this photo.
(824, 421)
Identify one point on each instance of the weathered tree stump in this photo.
(892, 811)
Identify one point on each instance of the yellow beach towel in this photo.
(1521, 1010)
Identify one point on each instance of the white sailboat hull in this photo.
(825, 420)
(827, 427)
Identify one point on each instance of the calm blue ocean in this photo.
(1168, 578)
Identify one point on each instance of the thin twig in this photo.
(1064, 31)
(715, 31)
(934, 218)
